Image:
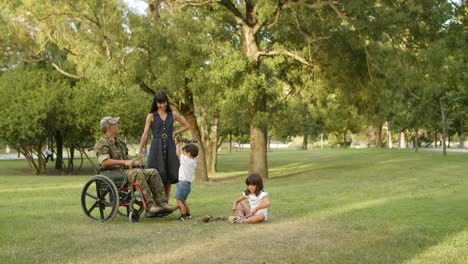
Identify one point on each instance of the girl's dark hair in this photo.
(160, 97)
(254, 179)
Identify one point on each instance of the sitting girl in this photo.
(258, 202)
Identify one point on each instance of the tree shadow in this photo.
(399, 229)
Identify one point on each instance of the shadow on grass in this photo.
(398, 229)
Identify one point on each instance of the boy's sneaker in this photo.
(236, 219)
(188, 217)
(182, 218)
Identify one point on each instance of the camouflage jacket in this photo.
(112, 148)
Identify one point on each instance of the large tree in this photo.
(29, 96)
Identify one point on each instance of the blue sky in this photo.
(139, 6)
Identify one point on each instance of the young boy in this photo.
(186, 175)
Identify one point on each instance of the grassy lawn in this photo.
(329, 206)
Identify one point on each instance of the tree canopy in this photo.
(259, 68)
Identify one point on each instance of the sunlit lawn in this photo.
(329, 206)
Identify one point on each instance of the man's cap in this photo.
(108, 120)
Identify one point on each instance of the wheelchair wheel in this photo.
(134, 216)
(125, 197)
(137, 204)
(100, 198)
(134, 201)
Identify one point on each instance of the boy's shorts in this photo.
(183, 190)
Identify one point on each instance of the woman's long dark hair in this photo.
(254, 179)
(160, 97)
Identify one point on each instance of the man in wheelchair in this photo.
(111, 151)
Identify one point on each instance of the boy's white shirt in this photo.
(187, 168)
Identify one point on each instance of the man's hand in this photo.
(128, 163)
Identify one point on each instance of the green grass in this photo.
(21, 166)
(330, 206)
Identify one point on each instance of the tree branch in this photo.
(289, 54)
(318, 4)
(276, 18)
(52, 15)
(74, 76)
(145, 87)
(332, 4)
(183, 3)
(36, 59)
(368, 64)
(226, 3)
(233, 9)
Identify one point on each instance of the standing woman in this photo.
(162, 155)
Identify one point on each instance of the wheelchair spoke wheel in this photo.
(134, 201)
(100, 198)
(137, 205)
(134, 216)
(125, 197)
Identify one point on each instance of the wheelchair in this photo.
(109, 193)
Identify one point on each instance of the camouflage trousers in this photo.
(150, 183)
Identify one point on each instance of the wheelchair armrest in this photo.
(108, 168)
(118, 167)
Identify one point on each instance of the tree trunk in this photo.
(304, 142)
(71, 165)
(258, 152)
(208, 127)
(344, 140)
(40, 160)
(444, 126)
(378, 136)
(230, 143)
(52, 144)
(258, 133)
(436, 140)
(91, 161)
(59, 158)
(268, 143)
(321, 140)
(258, 140)
(389, 140)
(28, 153)
(201, 170)
(416, 141)
(461, 141)
(402, 144)
(81, 158)
(154, 9)
(209, 135)
(219, 143)
(213, 145)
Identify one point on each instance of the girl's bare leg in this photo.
(255, 219)
(242, 209)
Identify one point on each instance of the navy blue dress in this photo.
(162, 155)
